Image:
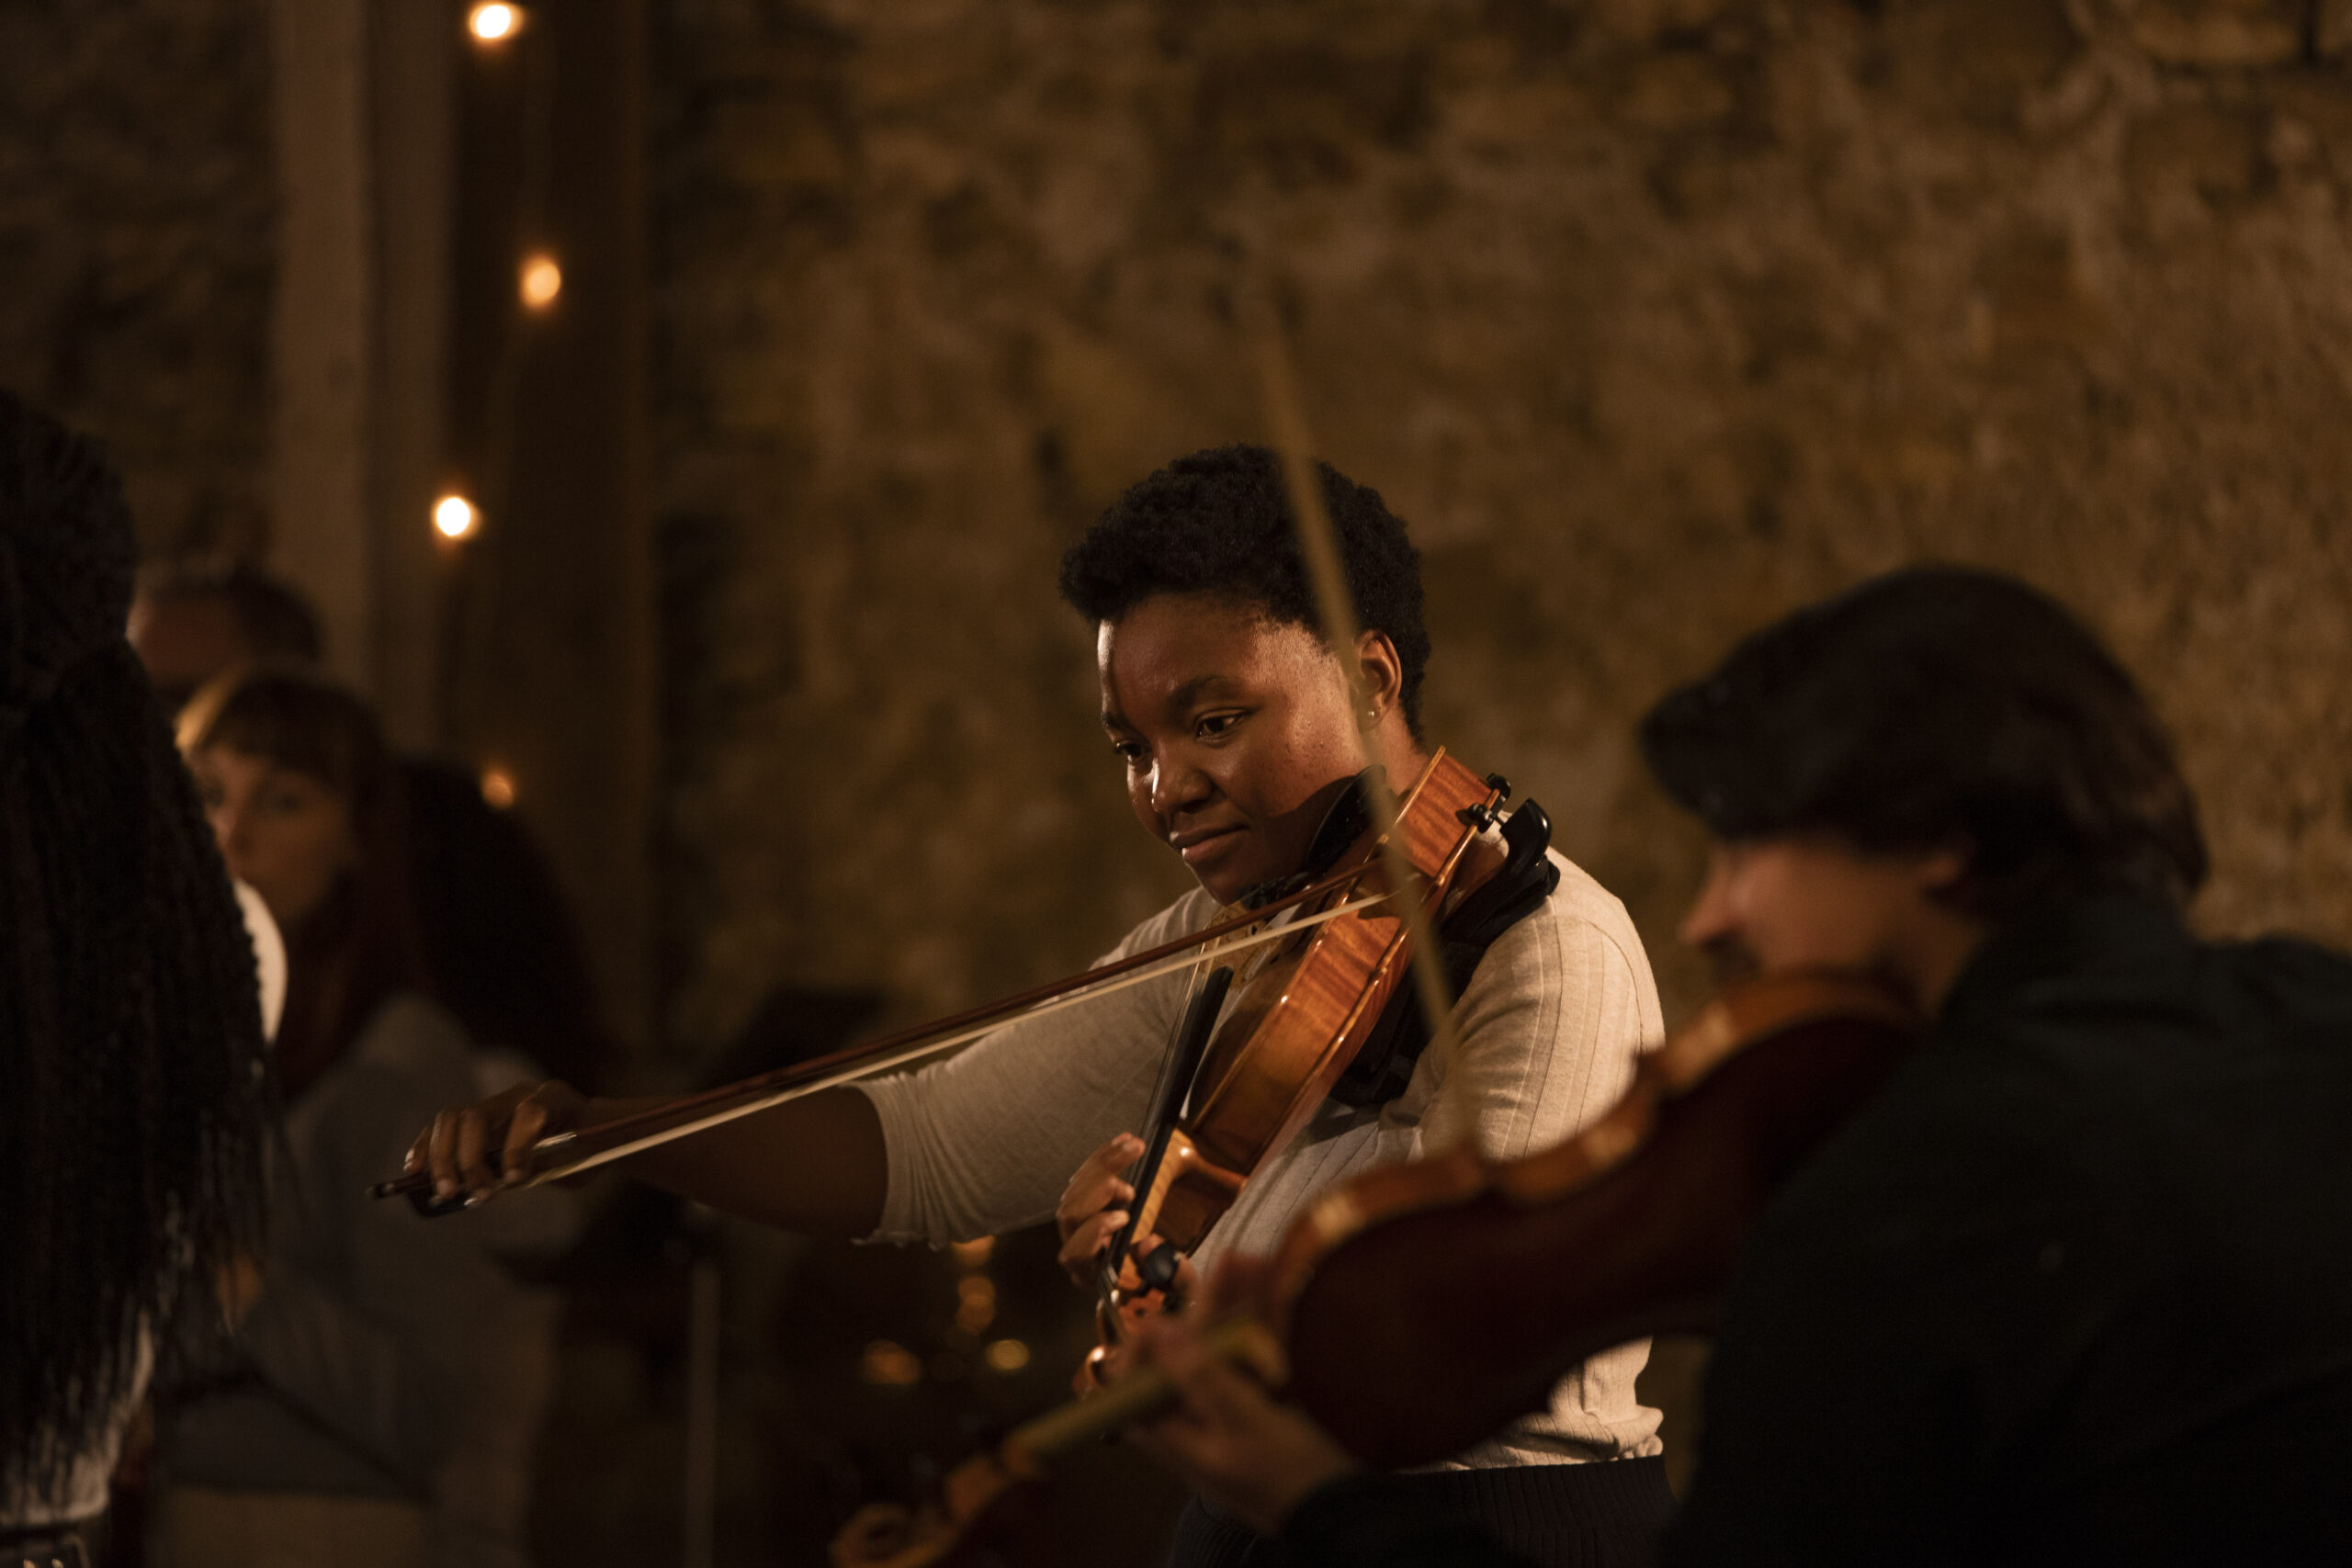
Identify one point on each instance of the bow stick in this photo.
(1318, 544)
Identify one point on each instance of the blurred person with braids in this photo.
(325, 1433)
(130, 1029)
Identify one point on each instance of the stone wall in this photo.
(1654, 317)
(137, 246)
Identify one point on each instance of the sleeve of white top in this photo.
(985, 1141)
(269, 958)
(1551, 1023)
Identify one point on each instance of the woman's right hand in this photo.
(459, 1145)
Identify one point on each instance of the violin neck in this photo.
(1142, 1394)
(1186, 1049)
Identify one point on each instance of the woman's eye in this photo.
(1130, 751)
(1215, 724)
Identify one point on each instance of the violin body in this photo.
(1298, 1022)
(1424, 1306)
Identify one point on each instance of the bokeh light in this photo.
(494, 23)
(455, 516)
(974, 1303)
(542, 281)
(889, 1365)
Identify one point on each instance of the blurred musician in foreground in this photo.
(2071, 1288)
(1238, 729)
(131, 1023)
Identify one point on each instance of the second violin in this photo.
(1419, 1307)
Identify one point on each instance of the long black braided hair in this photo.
(132, 1101)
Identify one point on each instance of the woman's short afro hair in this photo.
(1218, 523)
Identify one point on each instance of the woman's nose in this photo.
(1177, 785)
(1710, 916)
(228, 832)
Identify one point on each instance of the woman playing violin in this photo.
(1238, 729)
(2071, 1287)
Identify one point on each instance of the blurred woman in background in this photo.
(130, 1033)
(337, 1409)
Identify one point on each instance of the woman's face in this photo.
(286, 833)
(1237, 732)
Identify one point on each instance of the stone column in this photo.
(322, 381)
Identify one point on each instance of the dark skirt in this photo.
(1560, 1516)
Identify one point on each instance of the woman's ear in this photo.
(1379, 674)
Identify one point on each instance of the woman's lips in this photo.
(1198, 847)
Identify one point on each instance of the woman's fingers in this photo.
(457, 1148)
(473, 1137)
(1098, 1183)
(1082, 1247)
(550, 1107)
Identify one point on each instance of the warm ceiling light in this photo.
(497, 788)
(542, 281)
(455, 516)
(494, 24)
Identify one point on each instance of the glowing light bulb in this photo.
(455, 516)
(493, 23)
(542, 281)
(1006, 1356)
(498, 787)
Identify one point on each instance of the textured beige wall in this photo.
(1654, 319)
(136, 246)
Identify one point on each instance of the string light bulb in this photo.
(542, 280)
(497, 788)
(454, 517)
(494, 23)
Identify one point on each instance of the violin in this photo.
(1417, 1308)
(1302, 1011)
